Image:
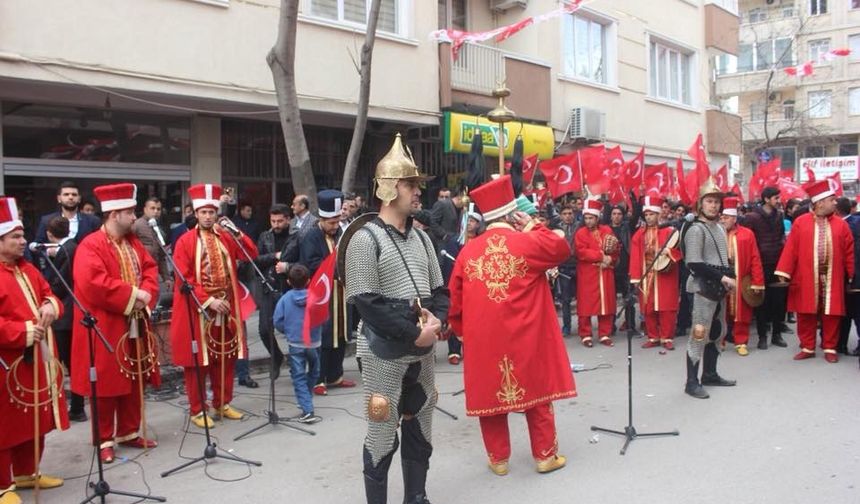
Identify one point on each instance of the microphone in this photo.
(227, 224)
(154, 225)
(446, 255)
(689, 218)
(38, 247)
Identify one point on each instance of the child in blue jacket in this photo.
(304, 359)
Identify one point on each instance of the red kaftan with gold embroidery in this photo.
(502, 305)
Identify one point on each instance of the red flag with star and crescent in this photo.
(562, 174)
(634, 176)
(319, 294)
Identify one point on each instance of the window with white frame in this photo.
(788, 110)
(670, 72)
(756, 112)
(854, 45)
(854, 101)
(817, 7)
(757, 15)
(762, 55)
(819, 104)
(818, 48)
(586, 48)
(356, 12)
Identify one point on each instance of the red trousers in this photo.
(604, 326)
(119, 418)
(18, 461)
(213, 371)
(497, 439)
(807, 326)
(741, 332)
(660, 325)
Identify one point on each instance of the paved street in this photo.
(787, 434)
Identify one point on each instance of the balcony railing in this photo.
(764, 14)
(478, 69)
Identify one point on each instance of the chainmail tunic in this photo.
(699, 247)
(374, 266)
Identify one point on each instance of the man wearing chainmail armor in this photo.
(706, 254)
(393, 279)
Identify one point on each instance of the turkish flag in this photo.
(789, 189)
(319, 294)
(247, 306)
(803, 70)
(591, 161)
(634, 176)
(681, 183)
(529, 167)
(766, 174)
(691, 184)
(810, 175)
(697, 150)
(615, 161)
(722, 178)
(658, 180)
(835, 182)
(737, 190)
(562, 174)
(616, 193)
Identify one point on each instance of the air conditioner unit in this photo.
(505, 5)
(775, 96)
(586, 123)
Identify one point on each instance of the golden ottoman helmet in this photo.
(396, 165)
(709, 188)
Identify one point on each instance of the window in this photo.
(854, 45)
(670, 73)
(761, 56)
(817, 7)
(848, 149)
(452, 14)
(757, 15)
(814, 151)
(818, 48)
(854, 101)
(756, 112)
(585, 48)
(788, 110)
(356, 11)
(819, 104)
(788, 155)
(855, 4)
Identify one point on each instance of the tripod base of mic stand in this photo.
(275, 419)
(630, 434)
(102, 489)
(210, 452)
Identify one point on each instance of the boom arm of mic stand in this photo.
(186, 287)
(88, 320)
(259, 273)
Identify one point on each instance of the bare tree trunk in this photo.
(363, 100)
(282, 61)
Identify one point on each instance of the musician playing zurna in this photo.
(711, 279)
(117, 281)
(597, 254)
(207, 257)
(657, 249)
(31, 392)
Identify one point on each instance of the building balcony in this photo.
(724, 132)
(722, 27)
(734, 84)
(467, 83)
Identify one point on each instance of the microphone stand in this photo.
(272, 417)
(211, 449)
(630, 434)
(101, 488)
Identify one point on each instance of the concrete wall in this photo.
(194, 49)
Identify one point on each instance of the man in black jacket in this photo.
(315, 244)
(62, 256)
(270, 244)
(69, 200)
(445, 221)
(766, 222)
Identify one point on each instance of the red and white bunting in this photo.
(807, 68)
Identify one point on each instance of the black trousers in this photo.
(331, 363)
(566, 293)
(771, 313)
(64, 348)
(852, 314)
(266, 303)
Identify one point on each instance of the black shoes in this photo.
(778, 341)
(715, 380)
(248, 382)
(77, 416)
